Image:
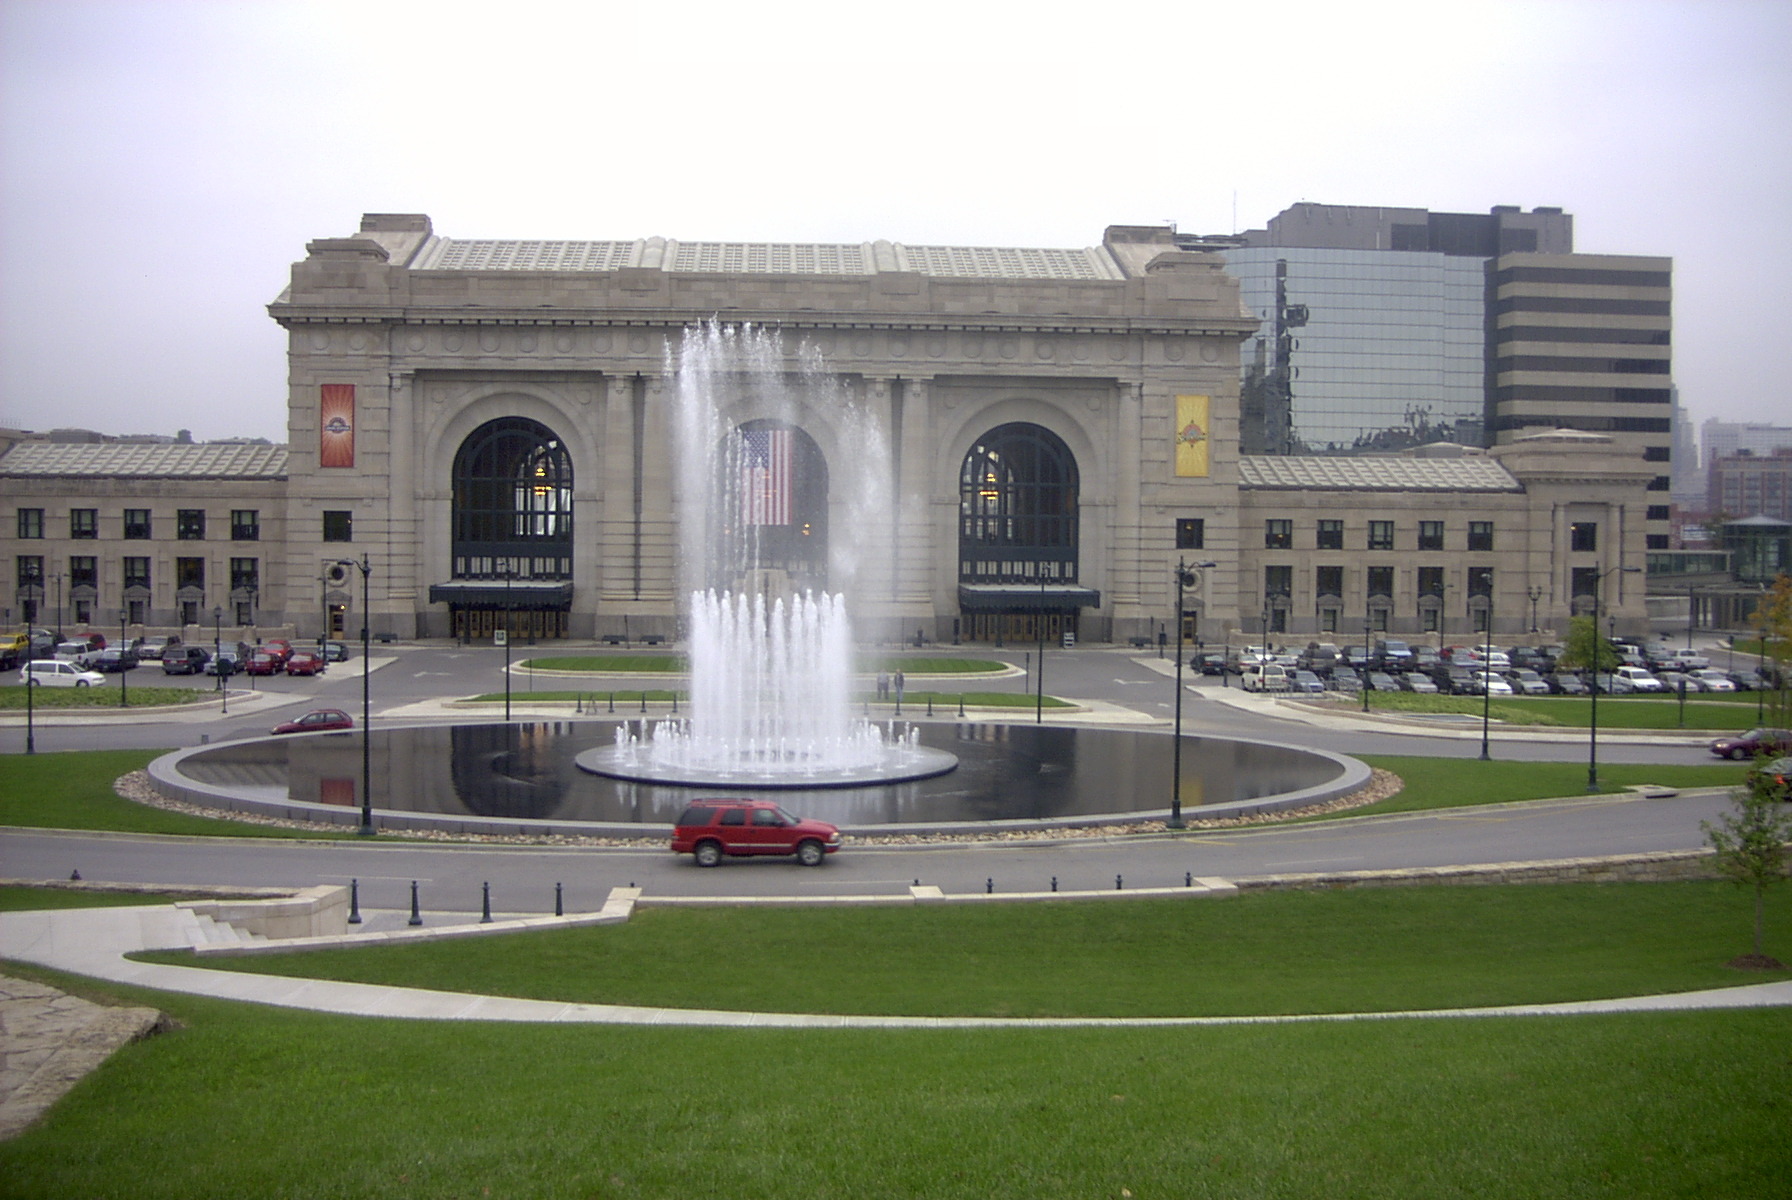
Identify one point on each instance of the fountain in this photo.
(770, 650)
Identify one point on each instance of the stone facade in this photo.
(403, 345)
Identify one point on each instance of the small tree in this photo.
(1586, 648)
(1750, 841)
(1773, 618)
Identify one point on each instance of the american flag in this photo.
(765, 477)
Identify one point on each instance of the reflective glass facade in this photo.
(1361, 349)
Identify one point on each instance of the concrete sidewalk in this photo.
(94, 941)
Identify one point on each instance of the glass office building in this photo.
(1360, 350)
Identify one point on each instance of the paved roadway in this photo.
(406, 679)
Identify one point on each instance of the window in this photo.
(245, 525)
(1381, 581)
(1191, 533)
(1584, 582)
(136, 523)
(1278, 581)
(136, 572)
(339, 526)
(31, 570)
(1583, 535)
(1278, 535)
(189, 573)
(1431, 535)
(245, 574)
(31, 522)
(1328, 581)
(1480, 581)
(189, 524)
(1480, 535)
(1657, 541)
(1657, 453)
(1331, 535)
(83, 571)
(83, 522)
(1657, 512)
(1431, 581)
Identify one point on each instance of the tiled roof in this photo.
(1471, 473)
(137, 460)
(770, 258)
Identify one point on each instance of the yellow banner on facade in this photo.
(1191, 436)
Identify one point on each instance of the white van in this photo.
(1639, 679)
(58, 674)
(1263, 677)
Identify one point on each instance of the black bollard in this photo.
(643, 699)
(1117, 883)
(1054, 883)
(917, 883)
(930, 705)
(559, 904)
(989, 886)
(74, 876)
(612, 701)
(578, 704)
(485, 906)
(354, 902)
(961, 704)
(416, 914)
(675, 704)
(1188, 879)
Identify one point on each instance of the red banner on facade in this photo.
(336, 425)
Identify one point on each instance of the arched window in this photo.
(512, 503)
(1017, 508)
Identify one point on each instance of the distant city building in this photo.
(1746, 484)
(1386, 328)
(1687, 478)
(1719, 439)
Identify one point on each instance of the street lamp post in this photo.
(1487, 674)
(218, 654)
(1593, 694)
(1039, 680)
(1534, 594)
(509, 574)
(365, 566)
(1185, 575)
(59, 608)
(124, 668)
(1364, 665)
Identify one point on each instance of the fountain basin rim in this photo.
(915, 763)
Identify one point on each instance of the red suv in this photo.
(709, 829)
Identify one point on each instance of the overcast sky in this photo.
(164, 162)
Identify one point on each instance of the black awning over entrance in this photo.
(1020, 597)
(486, 593)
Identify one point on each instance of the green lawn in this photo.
(32, 899)
(1459, 782)
(73, 790)
(105, 695)
(1721, 712)
(1271, 952)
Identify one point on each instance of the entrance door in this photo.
(337, 619)
(1019, 628)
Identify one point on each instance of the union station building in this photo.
(486, 429)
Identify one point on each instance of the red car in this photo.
(710, 829)
(1752, 743)
(280, 648)
(304, 662)
(318, 720)
(262, 663)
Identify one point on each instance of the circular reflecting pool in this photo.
(524, 776)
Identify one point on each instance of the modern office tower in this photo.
(1720, 439)
(1746, 484)
(1688, 486)
(1385, 328)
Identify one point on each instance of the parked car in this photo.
(710, 830)
(1210, 663)
(151, 649)
(185, 660)
(1566, 683)
(1345, 679)
(1263, 677)
(335, 651)
(1681, 660)
(79, 653)
(280, 648)
(1392, 654)
(1492, 683)
(1529, 682)
(1713, 680)
(304, 662)
(1530, 658)
(1381, 681)
(1747, 680)
(47, 672)
(1752, 743)
(1418, 681)
(113, 661)
(1608, 683)
(318, 720)
(1640, 680)
(262, 663)
(226, 662)
(1305, 681)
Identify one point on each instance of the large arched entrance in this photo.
(511, 530)
(1017, 537)
(770, 529)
